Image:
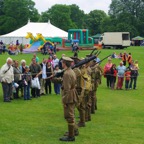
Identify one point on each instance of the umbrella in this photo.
(138, 38)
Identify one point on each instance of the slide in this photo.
(44, 40)
(34, 47)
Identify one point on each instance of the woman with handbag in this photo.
(35, 70)
(107, 74)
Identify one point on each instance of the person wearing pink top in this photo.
(51, 61)
(107, 74)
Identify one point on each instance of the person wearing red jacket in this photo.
(113, 72)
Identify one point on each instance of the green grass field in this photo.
(119, 119)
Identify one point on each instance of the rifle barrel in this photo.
(92, 51)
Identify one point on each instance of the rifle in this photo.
(92, 51)
(101, 60)
(97, 53)
(82, 62)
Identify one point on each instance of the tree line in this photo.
(122, 16)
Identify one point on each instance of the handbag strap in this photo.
(7, 69)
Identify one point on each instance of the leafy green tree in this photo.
(94, 21)
(128, 15)
(77, 16)
(1, 7)
(44, 17)
(107, 25)
(16, 14)
(60, 16)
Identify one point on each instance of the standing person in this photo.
(22, 68)
(60, 62)
(50, 60)
(7, 77)
(1, 49)
(23, 65)
(43, 76)
(75, 46)
(35, 70)
(17, 42)
(21, 48)
(95, 80)
(57, 86)
(136, 64)
(55, 61)
(1, 42)
(27, 82)
(44, 50)
(113, 72)
(49, 72)
(72, 46)
(17, 78)
(121, 71)
(75, 54)
(127, 78)
(81, 88)
(54, 48)
(134, 75)
(107, 72)
(129, 59)
(69, 98)
(124, 58)
(36, 57)
(88, 102)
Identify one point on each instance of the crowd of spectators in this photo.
(11, 49)
(125, 73)
(16, 77)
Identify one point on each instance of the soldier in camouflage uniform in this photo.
(80, 90)
(69, 97)
(88, 93)
(96, 76)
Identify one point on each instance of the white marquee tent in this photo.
(46, 29)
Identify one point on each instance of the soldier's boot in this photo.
(96, 104)
(89, 114)
(86, 115)
(93, 108)
(76, 133)
(70, 136)
(82, 119)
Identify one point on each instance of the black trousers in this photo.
(108, 80)
(48, 86)
(35, 92)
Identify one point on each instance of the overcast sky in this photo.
(85, 5)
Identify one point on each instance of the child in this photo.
(27, 82)
(136, 64)
(113, 73)
(127, 78)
